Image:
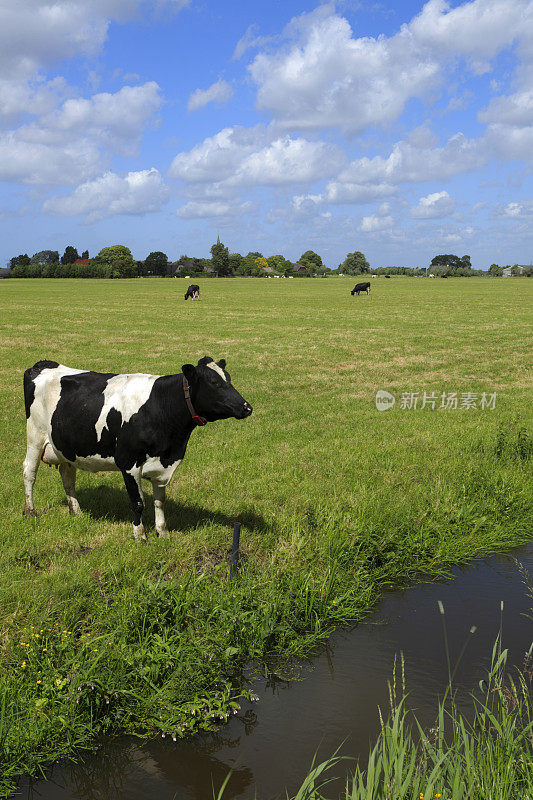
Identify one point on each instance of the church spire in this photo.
(218, 239)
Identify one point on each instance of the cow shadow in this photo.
(112, 503)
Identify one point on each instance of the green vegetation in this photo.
(117, 262)
(486, 754)
(337, 500)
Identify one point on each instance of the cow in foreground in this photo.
(361, 287)
(193, 291)
(136, 424)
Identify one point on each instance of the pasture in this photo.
(337, 500)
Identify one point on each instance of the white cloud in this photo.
(135, 193)
(72, 143)
(515, 109)
(434, 206)
(219, 92)
(325, 77)
(255, 157)
(340, 192)
(248, 41)
(36, 35)
(373, 223)
(407, 163)
(198, 209)
(515, 210)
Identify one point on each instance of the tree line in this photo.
(117, 261)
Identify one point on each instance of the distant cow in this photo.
(136, 424)
(361, 287)
(193, 291)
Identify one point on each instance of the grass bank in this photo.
(338, 501)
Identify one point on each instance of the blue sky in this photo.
(400, 129)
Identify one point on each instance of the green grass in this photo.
(338, 501)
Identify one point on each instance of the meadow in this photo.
(338, 501)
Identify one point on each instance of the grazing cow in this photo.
(361, 287)
(136, 424)
(193, 291)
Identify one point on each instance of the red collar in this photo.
(195, 417)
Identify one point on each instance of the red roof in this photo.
(83, 261)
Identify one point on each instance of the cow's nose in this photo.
(248, 409)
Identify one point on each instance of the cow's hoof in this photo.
(29, 512)
(163, 533)
(139, 534)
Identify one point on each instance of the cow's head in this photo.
(212, 392)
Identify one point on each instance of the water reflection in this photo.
(270, 745)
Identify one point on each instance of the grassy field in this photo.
(337, 499)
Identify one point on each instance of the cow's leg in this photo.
(68, 476)
(35, 443)
(132, 479)
(159, 499)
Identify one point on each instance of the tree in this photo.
(19, 261)
(156, 263)
(220, 259)
(280, 264)
(117, 259)
(354, 264)
(235, 263)
(311, 261)
(445, 262)
(85, 254)
(495, 270)
(45, 257)
(70, 255)
(261, 263)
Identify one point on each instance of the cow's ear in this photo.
(189, 370)
(222, 363)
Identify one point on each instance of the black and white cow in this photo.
(193, 291)
(361, 287)
(136, 424)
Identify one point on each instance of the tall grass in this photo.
(484, 755)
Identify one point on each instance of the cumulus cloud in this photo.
(36, 35)
(514, 109)
(515, 210)
(219, 92)
(408, 163)
(374, 223)
(69, 144)
(256, 157)
(324, 76)
(346, 192)
(135, 193)
(434, 206)
(203, 209)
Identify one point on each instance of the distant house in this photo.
(5, 272)
(299, 269)
(269, 270)
(507, 273)
(83, 261)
